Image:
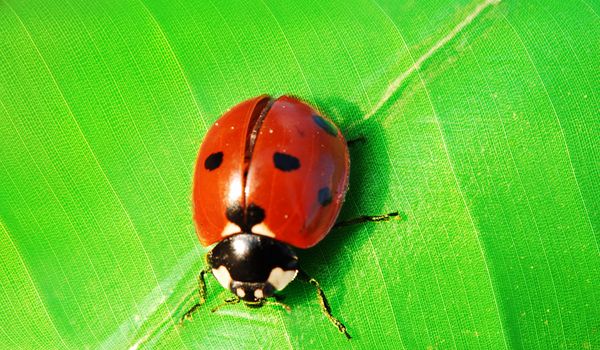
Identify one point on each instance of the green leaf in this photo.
(481, 120)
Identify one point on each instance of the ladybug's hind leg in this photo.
(202, 295)
(323, 302)
(367, 218)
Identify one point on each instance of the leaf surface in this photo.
(481, 120)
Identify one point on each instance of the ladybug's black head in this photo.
(252, 266)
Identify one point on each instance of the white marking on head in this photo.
(230, 229)
(280, 278)
(262, 229)
(222, 275)
(258, 294)
(240, 292)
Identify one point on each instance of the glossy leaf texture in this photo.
(481, 126)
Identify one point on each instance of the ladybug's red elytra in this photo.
(271, 176)
(270, 167)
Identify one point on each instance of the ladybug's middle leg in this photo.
(367, 218)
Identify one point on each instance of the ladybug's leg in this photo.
(360, 139)
(228, 301)
(323, 302)
(201, 291)
(367, 218)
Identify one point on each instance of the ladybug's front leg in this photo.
(367, 218)
(303, 276)
(202, 284)
(278, 302)
(201, 292)
(228, 301)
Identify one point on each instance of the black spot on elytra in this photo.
(324, 196)
(213, 161)
(285, 162)
(325, 125)
(235, 214)
(254, 215)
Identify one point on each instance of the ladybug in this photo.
(271, 176)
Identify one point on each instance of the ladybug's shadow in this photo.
(338, 254)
